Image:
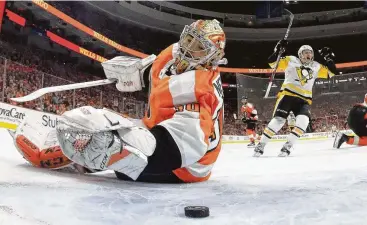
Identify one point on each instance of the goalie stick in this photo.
(36, 94)
(291, 17)
(40, 92)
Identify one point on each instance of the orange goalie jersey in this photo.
(193, 116)
(249, 111)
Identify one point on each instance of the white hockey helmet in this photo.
(305, 59)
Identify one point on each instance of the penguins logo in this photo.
(304, 74)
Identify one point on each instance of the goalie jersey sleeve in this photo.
(190, 107)
(299, 78)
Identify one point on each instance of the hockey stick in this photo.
(43, 91)
(291, 17)
(34, 95)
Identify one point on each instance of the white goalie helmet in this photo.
(201, 46)
(306, 54)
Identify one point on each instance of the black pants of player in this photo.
(251, 124)
(166, 157)
(288, 103)
(357, 120)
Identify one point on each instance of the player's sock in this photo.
(257, 137)
(295, 134)
(272, 129)
(355, 140)
(250, 133)
(301, 125)
(252, 139)
(362, 141)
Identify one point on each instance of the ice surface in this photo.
(316, 185)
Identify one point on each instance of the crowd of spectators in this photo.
(28, 68)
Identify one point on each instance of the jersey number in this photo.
(215, 136)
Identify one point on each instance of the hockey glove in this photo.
(281, 46)
(244, 119)
(327, 54)
(128, 71)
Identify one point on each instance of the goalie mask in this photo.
(201, 46)
(305, 54)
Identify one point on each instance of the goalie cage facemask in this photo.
(201, 46)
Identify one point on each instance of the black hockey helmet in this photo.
(244, 98)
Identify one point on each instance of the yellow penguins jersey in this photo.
(300, 78)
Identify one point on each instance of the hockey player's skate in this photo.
(285, 151)
(340, 138)
(259, 149)
(251, 145)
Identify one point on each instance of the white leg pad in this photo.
(97, 145)
(139, 138)
(132, 162)
(95, 120)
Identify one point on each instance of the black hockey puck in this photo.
(196, 211)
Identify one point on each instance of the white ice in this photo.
(316, 185)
